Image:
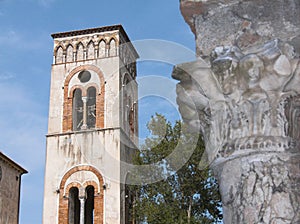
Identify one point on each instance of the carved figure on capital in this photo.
(248, 93)
(254, 101)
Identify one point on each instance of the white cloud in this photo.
(6, 76)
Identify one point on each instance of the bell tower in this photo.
(92, 127)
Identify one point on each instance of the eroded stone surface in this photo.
(243, 102)
(244, 23)
(246, 102)
(262, 190)
(247, 105)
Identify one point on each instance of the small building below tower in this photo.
(10, 185)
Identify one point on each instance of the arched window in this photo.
(112, 48)
(77, 110)
(80, 199)
(59, 55)
(131, 119)
(91, 107)
(80, 52)
(125, 109)
(84, 106)
(102, 49)
(90, 50)
(129, 109)
(92, 100)
(74, 206)
(69, 54)
(89, 205)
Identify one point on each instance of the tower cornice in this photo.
(102, 29)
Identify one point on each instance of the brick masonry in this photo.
(63, 197)
(68, 104)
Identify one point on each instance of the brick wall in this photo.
(67, 110)
(63, 215)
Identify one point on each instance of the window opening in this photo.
(89, 205)
(113, 49)
(129, 199)
(77, 110)
(84, 76)
(80, 52)
(59, 55)
(69, 54)
(91, 107)
(90, 51)
(74, 206)
(102, 49)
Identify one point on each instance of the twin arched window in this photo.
(84, 93)
(84, 109)
(84, 105)
(81, 205)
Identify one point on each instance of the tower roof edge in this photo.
(117, 27)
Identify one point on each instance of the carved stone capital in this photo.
(244, 101)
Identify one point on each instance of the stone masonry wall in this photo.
(9, 194)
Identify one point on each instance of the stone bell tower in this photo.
(92, 127)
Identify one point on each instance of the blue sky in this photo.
(25, 65)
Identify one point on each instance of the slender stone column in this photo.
(243, 94)
(84, 125)
(82, 203)
(82, 199)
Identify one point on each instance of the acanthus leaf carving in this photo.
(247, 95)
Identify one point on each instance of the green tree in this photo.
(188, 195)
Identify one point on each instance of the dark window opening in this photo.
(91, 107)
(77, 110)
(125, 109)
(89, 205)
(74, 206)
(128, 205)
(84, 76)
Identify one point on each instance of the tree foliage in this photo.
(187, 195)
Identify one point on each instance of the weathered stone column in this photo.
(82, 199)
(243, 94)
(84, 119)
